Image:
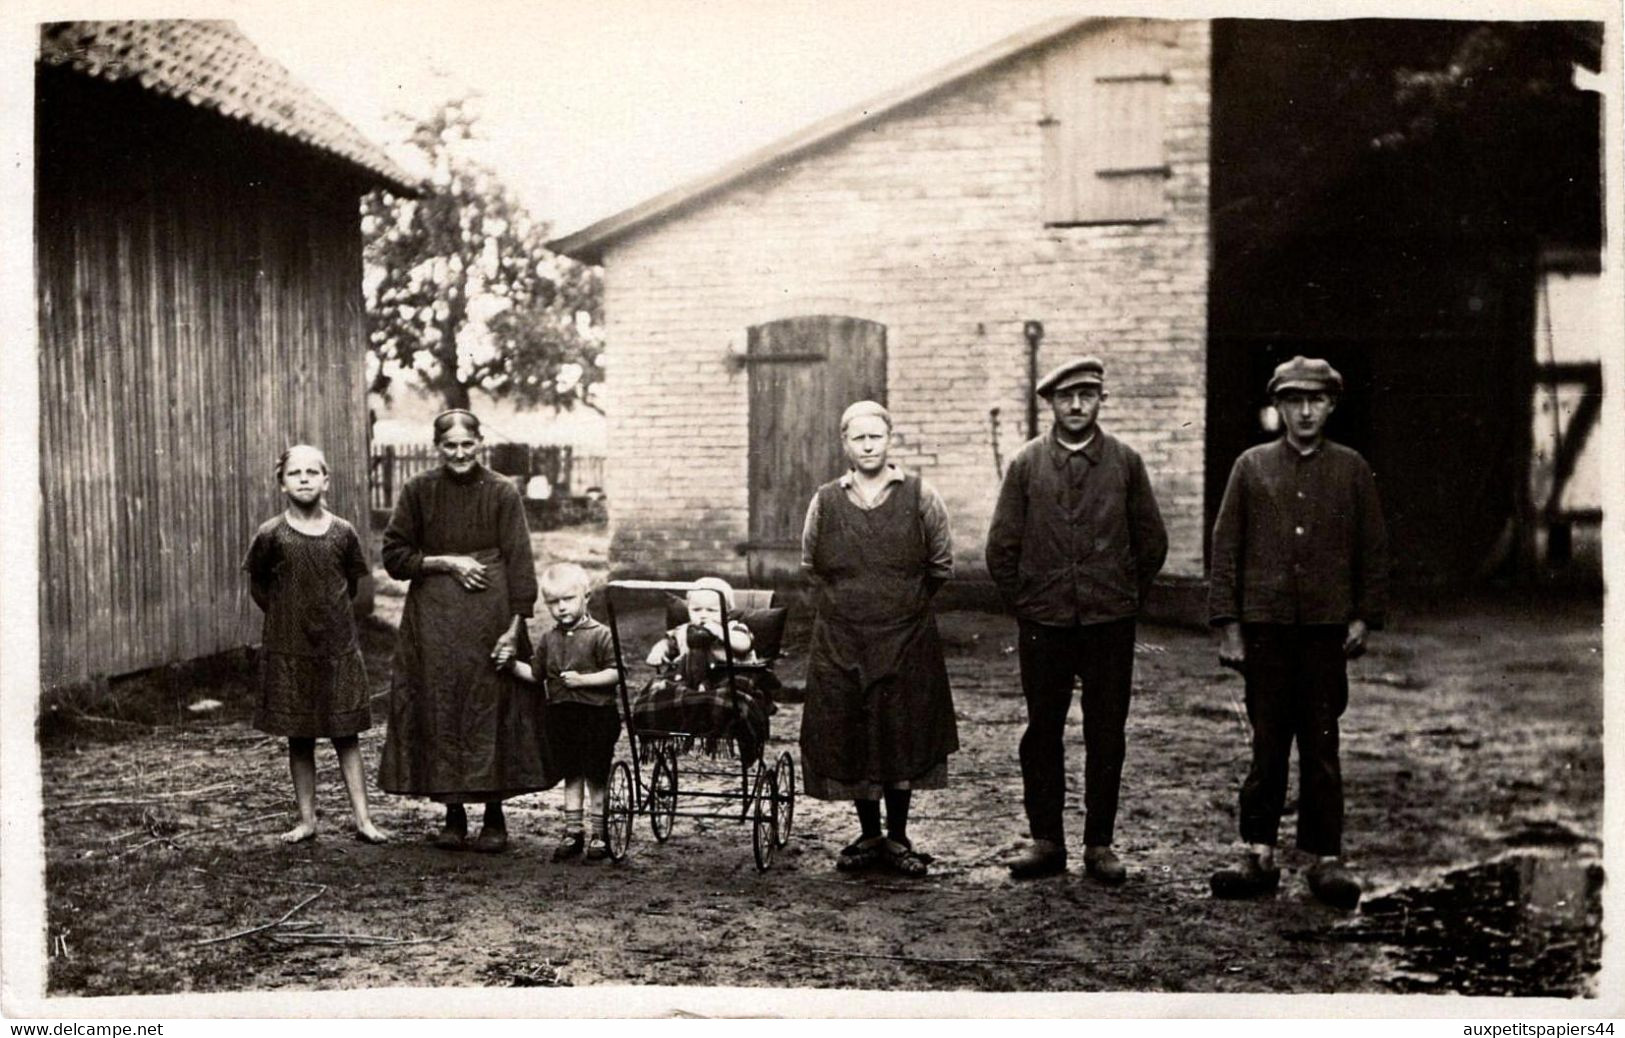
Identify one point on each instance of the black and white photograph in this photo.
(1020, 508)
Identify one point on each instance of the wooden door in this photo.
(804, 371)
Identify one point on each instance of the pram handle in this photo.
(653, 585)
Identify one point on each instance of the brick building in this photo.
(1194, 201)
(898, 251)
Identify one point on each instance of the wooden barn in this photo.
(198, 254)
(1093, 185)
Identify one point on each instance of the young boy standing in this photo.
(575, 665)
(1299, 576)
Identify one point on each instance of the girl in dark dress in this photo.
(303, 567)
(459, 730)
(879, 719)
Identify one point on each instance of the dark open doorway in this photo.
(1381, 190)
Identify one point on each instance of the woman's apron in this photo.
(878, 704)
(459, 730)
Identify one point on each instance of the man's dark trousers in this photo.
(1297, 687)
(1102, 657)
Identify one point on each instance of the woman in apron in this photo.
(460, 731)
(879, 718)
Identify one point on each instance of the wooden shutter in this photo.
(1103, 128)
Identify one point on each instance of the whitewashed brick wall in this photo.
(929, 222)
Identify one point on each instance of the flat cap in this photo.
(1309, 373)
(1082, 371)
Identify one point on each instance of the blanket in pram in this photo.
(707, 716)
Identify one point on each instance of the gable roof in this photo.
(212, 65)
(588, 243)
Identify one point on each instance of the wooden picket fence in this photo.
(567, 472)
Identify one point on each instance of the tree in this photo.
(1349, 153)
(461, 289)
(1525, 139)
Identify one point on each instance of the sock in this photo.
(600, 827)
(573, 820)
(897, 801)
(869, 817)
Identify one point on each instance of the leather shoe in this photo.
(863, 853)
(570, 846)
(1332, 883)
(490, 841)
(450, 839)
(1250, 879)
(1043, 858)
(1102, 865)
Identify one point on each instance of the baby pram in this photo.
(704, 742)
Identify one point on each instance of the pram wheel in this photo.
(663, 794)
(765, 822)
(619, 810)
(784, 789)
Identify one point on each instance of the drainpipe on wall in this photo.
(1034, 330)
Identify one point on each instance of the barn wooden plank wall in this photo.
(200, 310)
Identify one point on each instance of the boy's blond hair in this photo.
(714, 584)
(565, 578)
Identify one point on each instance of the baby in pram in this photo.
(694, 650)
(695, 692)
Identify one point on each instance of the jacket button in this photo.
(1299, 531)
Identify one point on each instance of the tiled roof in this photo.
(211, 64)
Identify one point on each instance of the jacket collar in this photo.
(1292, 453)
(1059, 452)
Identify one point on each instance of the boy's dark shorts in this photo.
(581, 739)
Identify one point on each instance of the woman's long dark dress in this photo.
(460, 731)
(879, 711)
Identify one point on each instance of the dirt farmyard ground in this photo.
(1471, 731)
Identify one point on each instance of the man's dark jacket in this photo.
(1076, 536)
(1299, 540)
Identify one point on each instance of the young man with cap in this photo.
(1075, 541)
(1299, 575)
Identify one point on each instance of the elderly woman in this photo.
(879, 718)
(459, 730)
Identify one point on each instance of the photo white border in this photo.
(22, 902)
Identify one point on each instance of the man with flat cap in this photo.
(1075, 541)
(1299, 575)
